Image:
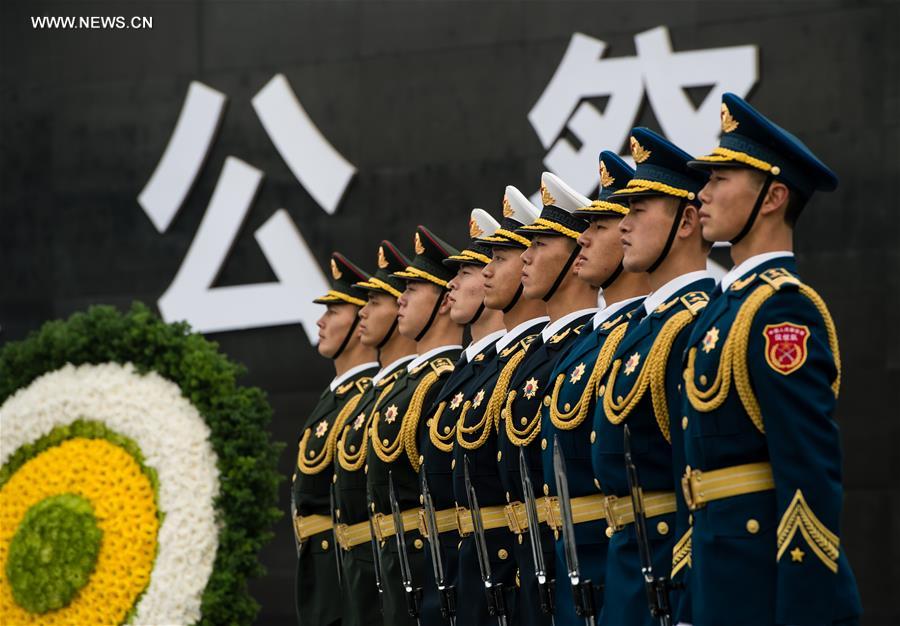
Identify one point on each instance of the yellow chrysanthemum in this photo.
(125, 508)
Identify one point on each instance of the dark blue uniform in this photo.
(520, 428)
(567, 414)
(476, 439)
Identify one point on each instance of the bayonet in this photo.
(534, 534)
(413, 594)
(338, 552)
(376, 551)
(447, 592)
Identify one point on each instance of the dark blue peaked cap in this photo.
(662, 169)
(614, 175)
(750, 139)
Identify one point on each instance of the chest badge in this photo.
(632, 363)
(321, 429)
(786, 346)
(391, 414)
(577, 373)
(710, 339)
(476, 402)
(456, 401)
(359, 421)
(530, 388)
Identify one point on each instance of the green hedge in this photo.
(238, 418)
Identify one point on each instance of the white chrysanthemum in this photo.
(174, 439)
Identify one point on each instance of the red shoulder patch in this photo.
(786, 350)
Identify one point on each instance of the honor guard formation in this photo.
(623, 442)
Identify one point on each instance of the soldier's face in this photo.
(544, 260)
(334, 326)
(466, 293)
(728, 198)
(376, 318)
(416, 304)
(645, 229)
(502, 277)
(601, 250)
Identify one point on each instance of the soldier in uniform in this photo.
(486, 326)
(397, 423)
(661, 236)
(479, 414)
(763, 475)
(570, 397)
(548, 275)
(317, 595)
(378, 329)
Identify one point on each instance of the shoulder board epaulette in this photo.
(778, 277)
(527, 341)
(695, 301)
(559, 336)
(441, 366)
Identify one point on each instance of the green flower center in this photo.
(53, 552)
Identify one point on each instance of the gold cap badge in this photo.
(638, 151)
(420, 249)
(728, 122)
(335, 271)
(382, 260)
(474, 230)
(546, 197)
(605, 178)
(507, 207)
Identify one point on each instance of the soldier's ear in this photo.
(445, 303)
(776, 198)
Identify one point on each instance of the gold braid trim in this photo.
(387, 450)
(542, 223)
(319, 462)
(798, 516)
(521, 437)
(353, 461)
(569, 420)
(652, 375)
(639, 184)
(444, 443)
(733, 361)
(501, 235)
(415, 272)
(377, 283)
(333, 295)
(411, 418)
(467, 256)
(491, 416)
(681, 553)
(721, 154)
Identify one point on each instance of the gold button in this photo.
(428, 423)
(619, 399)
(312, 453)
(524, 421)
(418, 544)
(337, 513)
(702, 379)
(596, 483)
(662, 528)
(446, 429)
(609, 532)
(567, 406)
(453, 464)
(556, 534)
(546, 400)
(601, 390)
(593, 436)
(521, 538)
(499, 455)
(386, 442)
(352, 448)
(684, 423)
(543, 444)
(503, 554)
(752, 526)
(324, 544)
(421, 459)
(546, 490)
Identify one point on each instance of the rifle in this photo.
(376, 551)
(338, 551)
(413, 594)
(447, 592)
(534, 534)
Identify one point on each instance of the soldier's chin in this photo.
(326, 349)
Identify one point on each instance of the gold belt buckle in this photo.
(612, 522)
(512, 518)
(687, 487)
(460, 512)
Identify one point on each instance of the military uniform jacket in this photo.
(318, 599)
(520, 427)
(762, 374)
(476, 439)
(641, 389)
(437, 443)
(394, 436)
(567, 414)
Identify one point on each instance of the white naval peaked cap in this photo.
(516, 206)
(557, 192)
(481, 224)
